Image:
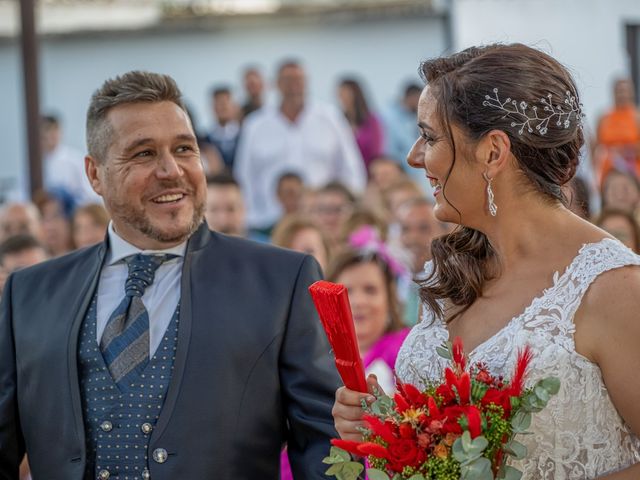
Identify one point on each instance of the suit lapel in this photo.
(194, 249)
(87, 274)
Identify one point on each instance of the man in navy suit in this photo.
(169, 351)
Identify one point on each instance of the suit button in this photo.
(104, 474)
(146, 428)
(160, 455)
(106, 426)
(146, 475)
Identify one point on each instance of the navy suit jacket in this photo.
(252, 369)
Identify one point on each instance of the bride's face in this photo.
(458, 185)
(369, 302)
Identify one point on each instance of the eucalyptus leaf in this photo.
(444, 352)
(340, 453)
(458, 451)
(510, 473)
(516, 449)
(345, 470)
(417, 476)
(478, 444)
(551, 385)
(466, 440)
(480, 469)
(375, 474)
(542, 394)
(521, 422)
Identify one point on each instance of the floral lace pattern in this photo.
(580, 435)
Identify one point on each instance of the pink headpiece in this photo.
(367, 239)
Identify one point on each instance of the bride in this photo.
(500, 134)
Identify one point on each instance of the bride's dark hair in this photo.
(464, 260)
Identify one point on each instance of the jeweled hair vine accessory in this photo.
(536, 119)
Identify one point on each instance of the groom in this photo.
(168, 352)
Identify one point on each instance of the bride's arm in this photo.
(607, 332)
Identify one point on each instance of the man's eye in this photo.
(144, 153)
(185, 148)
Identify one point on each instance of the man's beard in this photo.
(140, 222)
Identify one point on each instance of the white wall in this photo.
(588, 36)
(385, 52)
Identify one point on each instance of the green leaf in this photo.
(458, 451)
(417, 476)
(551, 385)
(445, 351)
(345, 470)
(375, 474)
(478, 444)
(516, 449)
(542, 394)
(466, 440)
(510, 473)
(336, 455)
(479, 469)
(521, 422)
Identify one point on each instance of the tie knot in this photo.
(142, 270)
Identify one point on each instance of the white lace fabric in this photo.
(580, 435)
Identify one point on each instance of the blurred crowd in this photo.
(331, 182)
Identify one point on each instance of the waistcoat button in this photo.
(160, 455)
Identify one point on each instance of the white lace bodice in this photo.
(580, 435)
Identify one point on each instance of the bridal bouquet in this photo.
(461, 428)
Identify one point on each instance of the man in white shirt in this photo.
(63, 166)
(312, 140)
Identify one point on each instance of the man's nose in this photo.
(168, 166)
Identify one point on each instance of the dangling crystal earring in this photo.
(493, 208)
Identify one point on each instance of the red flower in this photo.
(401, 403)
(413, 396)
(373, 449)
(517, 381)
(405, 452)
(462, 384)
(348, 445)
(407, 431)
(458, 354)
(474, 420)
(379, 428)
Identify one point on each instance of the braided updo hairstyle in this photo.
(464, 260)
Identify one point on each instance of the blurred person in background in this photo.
(226, 129)
(290, 191)
(296, 135)
(20, 218)
(622, 225)
(366, 127)
(19, 251)
(620, 191)
(89, 225)
(401, 130)
(63, 166)
(416, 228)
(331, 207)
(225, 212)
(618, 134)
(298, 233)
(368, 273)
(56, 209)
(253, 84)
(362, 216)
(398, 193)
(383, 172)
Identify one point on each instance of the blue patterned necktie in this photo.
(125, 341)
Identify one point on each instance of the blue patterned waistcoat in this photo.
(118, 423)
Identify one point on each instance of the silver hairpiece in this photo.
(533, 119)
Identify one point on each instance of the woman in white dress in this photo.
(500, 134)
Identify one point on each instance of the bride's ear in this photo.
(494, 152)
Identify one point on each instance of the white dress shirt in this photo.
(160, 298)
(64, 169)
(319, 146)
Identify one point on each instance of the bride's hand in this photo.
(347, 409)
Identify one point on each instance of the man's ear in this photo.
(91, 167)
(494, 152)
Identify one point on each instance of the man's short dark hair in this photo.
(222, 179)
(132, 87)
(16, 244)
(289, 176)
(412, 89)
(220, 90)
(338, 187)
(288, 63)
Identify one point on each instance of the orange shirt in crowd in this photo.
(619, 141)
